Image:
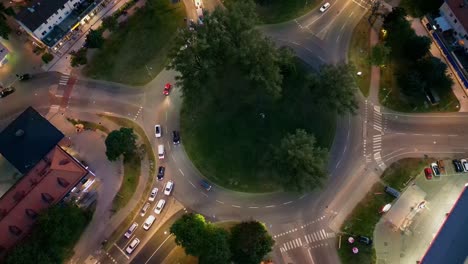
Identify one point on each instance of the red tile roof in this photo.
(460, 10)
(46, 184)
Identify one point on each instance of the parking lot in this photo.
(396, 246)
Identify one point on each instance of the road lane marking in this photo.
(310, 256)
(300, 241)
(219, 202)
(192, 184)
(324, 234)
(287, 202)
(181, 172)
(253, 207)
(352, 13)
(435, 135)
(417, 134)
(204, 193)
(270, 206)
(453, 135)
(125, 254)
(399, 133)
(236, 206)
(157, 249)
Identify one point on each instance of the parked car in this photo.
(131, 247)
(144, 209)
(131, 230)
(464, 165)
(325, 7)
(428, 173)
(160, 206)
(149, 222)
(457, 165)
(169, 187)
(153, 194)
(161, 171)
(167, 89)
(441, 165)
(24, 77)
(157, 131)
(435, 169)
(392, 191)
(365, 240)
(175, 137)
(4, 92)
(205, 184)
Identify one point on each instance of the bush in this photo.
(47, 57)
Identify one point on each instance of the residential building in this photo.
(455, 16)
(48, 22)
(3, 55)
(48, 174)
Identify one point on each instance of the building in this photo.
(49, 174)
(454, 15)
(3, 55)
(449, 245)
(49, 22)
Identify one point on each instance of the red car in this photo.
(167, 88)
(428, 173)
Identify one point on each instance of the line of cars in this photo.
(437, 168)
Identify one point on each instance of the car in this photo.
(161, 151)
(175, 137)
(441, 165)
(157, 131)
(205, 184)
(365, 240)
(6, 91)
(428, 173)
(144, 209)
(325, 7)
(457, 165)
(435, 169)
(131, 247)
(161, 171)
(131, 230)
(160, 206)
(464, 165)
(149, 222)
(168, 188)
(153, 194)
(167, 89)
(23, 77)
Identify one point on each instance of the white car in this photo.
(144, 209)
(153, 194)
(169, 187)
(149, 222)
(435, 169)
(325, 7)
(135, 242)
(464, 165)
(157, 131)
(160, 206)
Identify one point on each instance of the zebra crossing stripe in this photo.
(307, 240)
(300, 241)
(323, 233)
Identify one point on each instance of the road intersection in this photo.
(304, 226)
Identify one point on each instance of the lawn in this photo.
(401, 172)
(359, 52)
(132, 171)
(390, 96)
(231, 146)
(137, 51)
(276, 11)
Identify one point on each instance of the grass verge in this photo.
(89, 125)
(359, 52)
(365, 215)
(132, 171)
(390, 96)
(137, 51)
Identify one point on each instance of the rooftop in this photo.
(449, 246)
(26, 140)
(460, 10)
(38, 12)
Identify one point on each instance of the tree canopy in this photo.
(120, 142)
(419, 8)
(189, 231)
(94, 39)
(250, 242)
(5, 29)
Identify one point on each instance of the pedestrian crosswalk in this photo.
(309, 238)
(378, 124)
(64, 79)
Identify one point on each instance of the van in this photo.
(392, 191)
(149, 222)
(161, 151)
(130, 230)
(160, 206)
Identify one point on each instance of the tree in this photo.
(190, 233)
(416, 47)
(216, 246)
(419, 8)
(110, 22)
(120, 142)
(299, 163)
(334, 88)
(5, 30)
(94, 39)
(47, 57)
(380, 54)
(78, 57)
(250, 242)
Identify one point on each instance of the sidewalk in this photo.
(375, 71)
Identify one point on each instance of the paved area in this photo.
(408, 246)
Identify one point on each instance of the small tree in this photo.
(78, 57)
(120, 142)
(94, 39)
(190, 233)
(250, 242)
(47, 57)
(110, 23)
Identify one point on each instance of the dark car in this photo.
(205, 184)
(365, 240)
(457, 165)
(23, 77)
(161, 171)
(428, 26)
(175, 137)
(6, 91)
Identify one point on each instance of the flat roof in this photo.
(26, 140)
(449, 245)
(460, 10)
(38, 12)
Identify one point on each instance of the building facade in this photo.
(455, 13)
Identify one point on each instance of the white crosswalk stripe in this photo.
(299, 241)
(323, 233)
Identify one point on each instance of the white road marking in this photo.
(350, 15)
(181, 172)
(192, 184)
(453, 135)
(253, 207)
(323, 233)
(236, 206)
(157, 249)
(300, 241)
(219, 202)
(307, 240)
(310, 256)
(435, 135)
(125, 254)
(270, 206)
(204, 194)
(287, 202)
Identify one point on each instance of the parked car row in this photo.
(438, 168)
